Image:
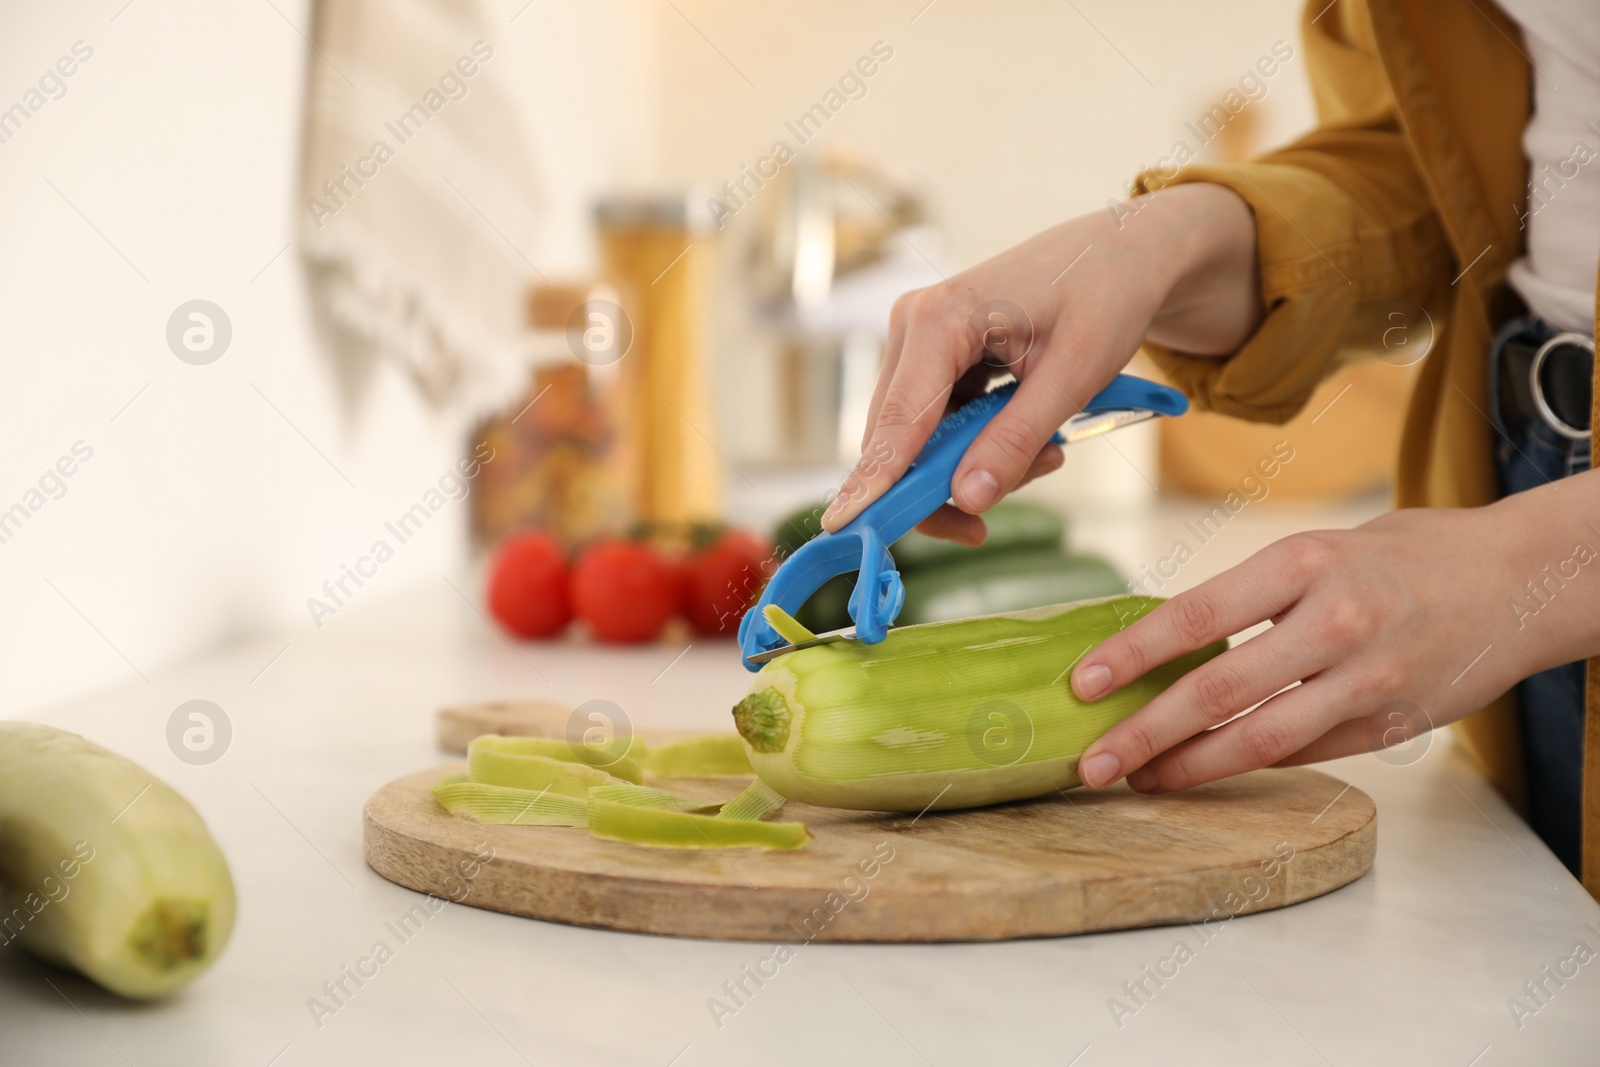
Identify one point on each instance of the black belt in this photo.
(1550, 378)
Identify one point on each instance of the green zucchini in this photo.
(1013, 525)
(949, 715)
(829, 607)
(104, 868)
(993, 584)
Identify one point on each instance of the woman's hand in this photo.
(1390, 629)
(1064, 312)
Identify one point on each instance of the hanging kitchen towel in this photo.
(420, 198)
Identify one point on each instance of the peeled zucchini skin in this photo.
(132, 893)
(943, 715)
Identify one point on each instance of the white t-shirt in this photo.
(1556, 275)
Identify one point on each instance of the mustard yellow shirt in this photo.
(1402, 200)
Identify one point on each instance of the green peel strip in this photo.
(642, 796)
(493, 767)
(676, 829)
(535, 781)
(621, 757)
(498, 805)
(707, 756)
(789, 628)
(625, 757)
(759, 799)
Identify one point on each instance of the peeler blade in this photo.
(846, 634)
(1083, 427)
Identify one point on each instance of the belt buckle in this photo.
(1554, 421)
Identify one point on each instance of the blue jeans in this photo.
(1528, 454)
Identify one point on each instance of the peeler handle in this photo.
(862, 544)
(927, 484)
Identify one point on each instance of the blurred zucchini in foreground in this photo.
(942, 715)
(104, 869)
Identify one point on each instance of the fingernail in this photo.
(1099, 769)
(1091, 681)
(979, 489)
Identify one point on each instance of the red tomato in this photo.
(528, 585)
(721, 582)
(755, 548)
(624, 590)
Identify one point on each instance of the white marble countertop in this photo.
(1413, 964)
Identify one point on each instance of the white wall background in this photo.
(1010, 115)
(219, 498)
(167, 172)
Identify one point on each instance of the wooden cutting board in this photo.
(1066, 864)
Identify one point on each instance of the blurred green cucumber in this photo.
(986, 585)
(796, 530)
(829, 607)
(1019, 565)
(1013, 525)
(1004, 582)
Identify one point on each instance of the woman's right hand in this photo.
(1064, 312)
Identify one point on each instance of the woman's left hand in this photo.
(1390, 629)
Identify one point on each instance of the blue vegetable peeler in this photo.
(863, 544)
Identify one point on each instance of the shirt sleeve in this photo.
(1349, 242)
